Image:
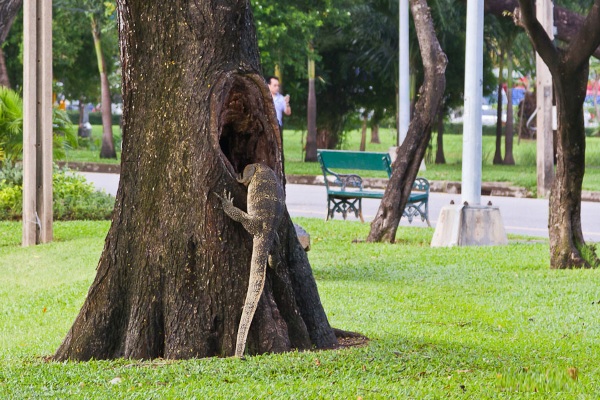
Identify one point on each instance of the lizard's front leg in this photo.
(236, 214)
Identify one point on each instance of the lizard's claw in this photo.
(227, 197)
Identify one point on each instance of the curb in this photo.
(501, 189)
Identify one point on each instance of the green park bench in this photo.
(345, 191)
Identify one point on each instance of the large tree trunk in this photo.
(108, 144)
(173, 274)
(509, 159)
(412, 151)
(8, 11)
(569, 70)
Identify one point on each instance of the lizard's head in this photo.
(248, 173)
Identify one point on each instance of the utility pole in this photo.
(545, 148)
(37, 122)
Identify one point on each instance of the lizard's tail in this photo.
(256, 284)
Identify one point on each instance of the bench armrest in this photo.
(421, 184)
(349, 180)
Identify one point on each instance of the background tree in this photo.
(8, 11)
(100, 15)
(566, 17)
(286, 35)
(570, 70)
(311, 112)
(410, 154)
(173, 274)
(74, 66)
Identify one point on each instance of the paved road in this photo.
(520, 216)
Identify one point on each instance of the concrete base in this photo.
(469, 226)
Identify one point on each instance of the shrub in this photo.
(11, 128)
(74, 198)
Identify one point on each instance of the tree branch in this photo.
(8, 12)
(566, 21)
(539, 38)
(586, 40)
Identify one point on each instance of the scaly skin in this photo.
(265, 209)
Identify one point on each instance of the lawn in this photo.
(522, 174)
(475, 322)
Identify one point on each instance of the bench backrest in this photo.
(354, 160)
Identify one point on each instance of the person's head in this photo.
(273, 83)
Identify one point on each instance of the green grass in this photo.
(462, 323)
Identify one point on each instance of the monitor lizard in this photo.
(265, 209)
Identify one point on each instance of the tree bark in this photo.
(412, 151)
(569, 70)
(440, 158)
(509, 158)
(498, 152)
(173, 275)
(108, 144)
(8, 11)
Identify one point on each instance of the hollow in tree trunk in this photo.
(410, 154)
(173, 275)
(569, 69)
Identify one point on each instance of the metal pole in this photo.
(544, 145)
(471, 162)
(404, 73)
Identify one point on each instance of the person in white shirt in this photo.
(282, 103)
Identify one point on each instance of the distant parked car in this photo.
(488, 116)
